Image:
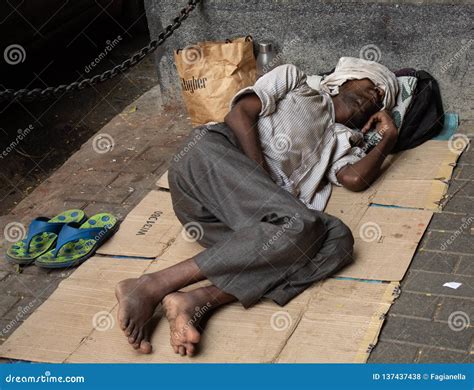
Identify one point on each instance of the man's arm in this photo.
(260, 100)
(359, 176)
(243, 120)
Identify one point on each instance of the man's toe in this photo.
(145, 347)
(139, 337)
(123, 322)
(190, 349)
(130, 329)
(133, 336)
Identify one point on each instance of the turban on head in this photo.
(349, 68)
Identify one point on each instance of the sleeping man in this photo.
(254, 187)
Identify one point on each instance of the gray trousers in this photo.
(261, 241)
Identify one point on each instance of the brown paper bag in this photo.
(211, 73)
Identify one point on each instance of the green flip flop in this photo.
(76, 242)
(42, 235)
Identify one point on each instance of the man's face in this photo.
(360, 99)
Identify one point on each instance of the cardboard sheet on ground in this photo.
(163, 181)
(349, 206)
(385, 238)
(335, 321)
(418, 177)
(56, 329)
(341, 323)
(385, 241)
(147, 230)
(77, 323)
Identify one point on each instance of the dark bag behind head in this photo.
(425, 117)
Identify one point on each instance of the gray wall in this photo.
(430, 35)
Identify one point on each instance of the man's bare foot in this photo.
(138, 299)
(184, 312)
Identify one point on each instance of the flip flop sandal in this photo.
(76, 242)
(42, 235)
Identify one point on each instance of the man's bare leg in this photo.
(138, 298)
(185, 310)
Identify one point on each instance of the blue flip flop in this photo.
(42, 236)
(76, 242)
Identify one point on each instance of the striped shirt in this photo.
(301, 143)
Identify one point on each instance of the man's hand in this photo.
(384, 125)
(243, 120)
(359, 176)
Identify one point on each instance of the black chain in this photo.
(52, 92)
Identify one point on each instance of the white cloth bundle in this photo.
(350, 68)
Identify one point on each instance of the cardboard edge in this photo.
(162, 182)
(371, 337)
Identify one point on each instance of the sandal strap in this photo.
(71, 232)
(42, 225)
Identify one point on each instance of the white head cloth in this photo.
(349, 68)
